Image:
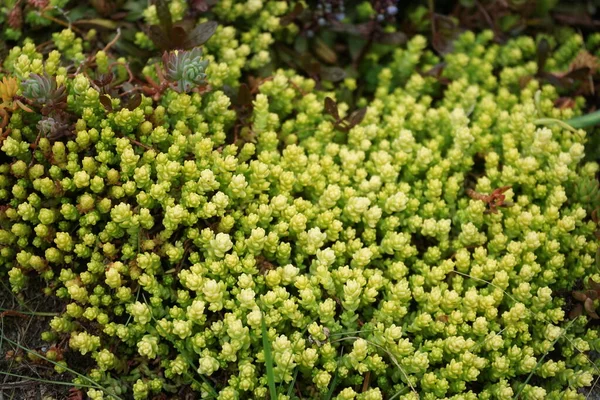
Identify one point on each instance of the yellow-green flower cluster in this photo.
(181, 234)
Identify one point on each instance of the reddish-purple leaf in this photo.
(178, 37)
(356, 117)
(244, 97)
(200, 34)
(134, 102)
(159, 38)
(106, 103)
(331, 108)
(164, 16)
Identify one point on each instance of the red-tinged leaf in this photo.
(579, 296)
(24, 107)
(200, 34)
(244, 97)
(134, 102)
(164, 16)
(104, 79)
(159, 38)
(543, 51)
(287, 19)
(331, 108)
(12, 313)
(332, 74)
(99, 22)
(576, 312)
(590, 309)
(75, 394)
(356, 117)
(106, 103)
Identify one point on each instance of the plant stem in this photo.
(36, 314)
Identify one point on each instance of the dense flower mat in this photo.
(423, 242)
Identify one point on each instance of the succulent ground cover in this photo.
(268, 199)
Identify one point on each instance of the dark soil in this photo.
(21, 324)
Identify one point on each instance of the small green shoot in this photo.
(268, 360)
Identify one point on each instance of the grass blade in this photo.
(268, 360)
(585, 121)
(292, 383)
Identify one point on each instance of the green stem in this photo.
(552, 121)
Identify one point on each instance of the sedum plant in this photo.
(422, 242)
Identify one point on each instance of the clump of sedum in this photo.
(428, 251)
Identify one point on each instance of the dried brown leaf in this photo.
(594, 285)
(590, 309)
(591, 294)
(579, 296)
(577, 311)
